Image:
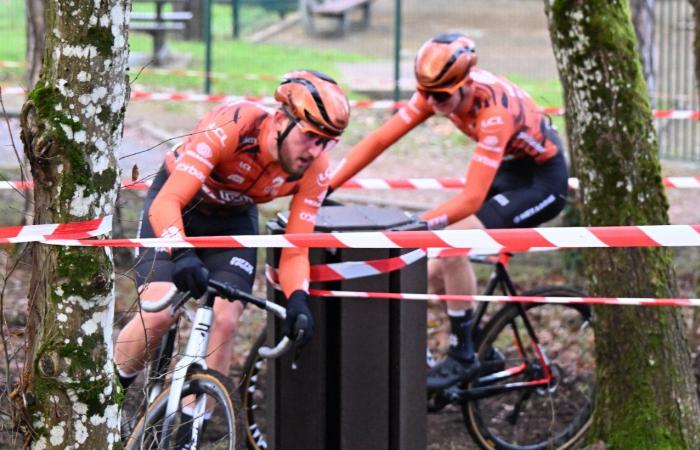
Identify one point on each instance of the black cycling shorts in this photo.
(525, 194)
(235, 266)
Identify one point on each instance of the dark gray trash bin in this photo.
(360, 383)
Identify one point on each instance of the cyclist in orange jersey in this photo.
(239, 155)
(517, 175)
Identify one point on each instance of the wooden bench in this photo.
(337, 9)
(157, 24)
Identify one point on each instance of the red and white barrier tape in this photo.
(520, 239)
(350, 270)
(458, 183)
(370, 104)
(19, 185)
(44, 232)
(390, 183)
(621, 301)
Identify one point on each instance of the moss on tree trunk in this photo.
(646, 394)
(71, 128)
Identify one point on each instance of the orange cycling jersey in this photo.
(225, 163)
(501, 117)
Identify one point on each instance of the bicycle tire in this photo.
(226, 414)
(252, 393)
(556, 416)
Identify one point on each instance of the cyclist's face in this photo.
(301, 148)
(444, 103)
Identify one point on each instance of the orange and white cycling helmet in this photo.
(443, 63)
(314, 101)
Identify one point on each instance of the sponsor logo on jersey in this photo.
(274, 186)
(248, 140)
(324, 177)
(235, 198)
(312, 202)
(531, 141)
(492, 121)
(307, 217)
(204, 150)
(171, 232)
(245, 166)
(190, 170)
(235, 178)
(216, 133)
(485, 160)
(490, 143)
(241, 264)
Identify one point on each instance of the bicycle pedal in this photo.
(453, 394)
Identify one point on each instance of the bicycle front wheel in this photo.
(224, 421)
(252, 390)
(535, 415)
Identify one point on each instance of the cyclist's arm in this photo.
(198, 156)
(294, 262)
(408, 117)
(495, 128)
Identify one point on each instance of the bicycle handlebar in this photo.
(173, 296)
(177, 298)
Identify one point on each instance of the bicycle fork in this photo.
(195, 353)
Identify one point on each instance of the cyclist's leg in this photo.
(154, 277)
(456, 276)
(141, 335)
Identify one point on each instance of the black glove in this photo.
(189, 273)
(297, 306)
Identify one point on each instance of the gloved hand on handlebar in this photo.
(189, 273)
(298, 306)
(438, 223)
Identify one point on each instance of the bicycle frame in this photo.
(500, 279)
(196, 350)
(195, 353)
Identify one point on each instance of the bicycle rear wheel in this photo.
(549, 416)
(224, 429)
(252, 392)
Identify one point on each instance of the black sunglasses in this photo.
(439, 97)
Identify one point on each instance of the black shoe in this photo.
(493, 362)
(450, 372)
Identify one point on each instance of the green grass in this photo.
(234, 58)
(238, 58)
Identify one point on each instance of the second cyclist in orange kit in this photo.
(517, 175)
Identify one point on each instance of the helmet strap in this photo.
(283, 135)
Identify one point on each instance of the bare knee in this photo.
(226, 316)
(454, 264)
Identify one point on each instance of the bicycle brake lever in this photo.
(296, 351)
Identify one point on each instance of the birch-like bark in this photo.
(71, 129)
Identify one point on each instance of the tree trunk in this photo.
(696, 39)
(646, 393)
(644, 21)
(36, 30)
(71, 128)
